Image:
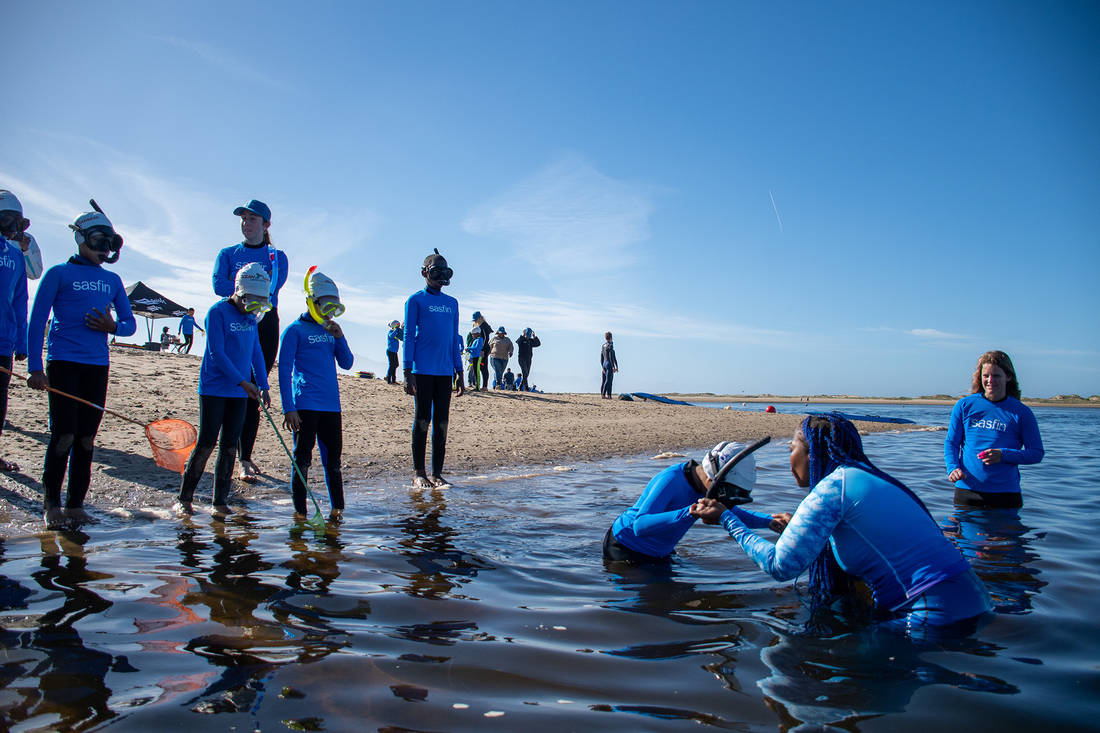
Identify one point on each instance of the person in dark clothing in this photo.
(486, 334)
(526, 343)
(393, 339)
(609, 364)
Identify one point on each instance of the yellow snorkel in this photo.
(331, 307)
(309, 297)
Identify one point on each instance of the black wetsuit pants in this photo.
(988, 499)
(525, 370)
(5, 378)
(73, 426)
(391, 373)
(185, 347)
(433, 406)
(608, 378)
(217, 415)
(269, 343)
(327, 428)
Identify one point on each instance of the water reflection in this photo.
(428, 544)
(998, 546)
(60, 682)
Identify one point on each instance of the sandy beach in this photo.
(488, 431)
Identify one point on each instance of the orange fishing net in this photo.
(172, 441)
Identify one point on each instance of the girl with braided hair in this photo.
(870, 525)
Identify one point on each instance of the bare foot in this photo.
(183, 508)
(249, 472)
(54, 518)
(9, 466)
(422, 482)
(222, 509)
(438, 482)
(78, 516)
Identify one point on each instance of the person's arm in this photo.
(223, 277)
(344, 358)
(952, 444)
(19, 309)
(804, 538)
(288, 350)
(126, 324)
(284, 270)
(412, 317)
(43, 303)
(535, 342)
(32, 256)
(1032, 449)
(259, 368)
(752, 519)
(511, 349)
(658, 493)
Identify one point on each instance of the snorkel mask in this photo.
(322, 297)
(253, 288)
(95, 231)
(12, 223)
(435, 268)
(728, 493)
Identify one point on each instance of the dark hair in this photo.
(1000, 359)
(607, 336)
(267, 237)
(833, 441)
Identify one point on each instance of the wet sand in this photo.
(488, 431)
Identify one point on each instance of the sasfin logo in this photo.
(7, 262)
(439, 309)
(989, 424)
(321, 338)
(95, 285)
(238, 326)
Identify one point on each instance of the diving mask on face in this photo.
(257, 305)
(442, 274)
(12, 224)
(322, 296)
(731, 494)
(95, 230)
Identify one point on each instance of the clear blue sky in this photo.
(934, 167)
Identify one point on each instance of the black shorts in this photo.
(988, 499)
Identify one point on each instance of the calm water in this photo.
(487, 607)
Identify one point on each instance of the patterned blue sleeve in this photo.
(803, 539)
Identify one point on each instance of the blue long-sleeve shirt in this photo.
(308, 355)
(432, 344)
(393, 339)
(475, 348)
(661, 517)
(876, 531)
(231, 259)
(232, 354)
(978, 424)
(71, 290)
(187, 325)
(13, 299)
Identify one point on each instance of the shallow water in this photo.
(487, 607)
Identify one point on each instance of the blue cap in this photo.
(477, 315)
(256, 207)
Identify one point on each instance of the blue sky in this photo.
(841, 198)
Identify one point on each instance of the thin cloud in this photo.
(232, 66)
(934, 333)
(568, 217)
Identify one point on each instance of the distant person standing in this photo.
(431, 360)
(474, 347)
(486, 334)
(526, 343)
(609, 364)
(187, 328)
(500, 351)
(256, 247)
(990, 435)
(393, 342)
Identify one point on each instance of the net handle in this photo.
(78, 399)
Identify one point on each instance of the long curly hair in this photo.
(833, 441)
(997, 358)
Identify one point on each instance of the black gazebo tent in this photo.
(144, 301)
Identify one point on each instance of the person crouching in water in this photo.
(80, 293)
(309, 351)
(231, 360)
(649, 531)
(432, 358)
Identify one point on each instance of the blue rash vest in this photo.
(876, 531)
(978, 424)
(661, 517)
(308, 355)
(475, 348)
(234, 258)
(393, 339)
(13, 299)
(232, 353)
(431, 320)
(71, 290)
(187, 325)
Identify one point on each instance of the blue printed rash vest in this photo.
(232, 353)
(979, 424)
(308, 355)
(13, 299)
(393, 339)
(71, 290)
(233, 258)
(431, 333)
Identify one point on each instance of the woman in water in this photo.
(990, 435)
(871, 525)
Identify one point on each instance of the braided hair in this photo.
(833, 441)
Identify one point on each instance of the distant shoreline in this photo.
(835, 399)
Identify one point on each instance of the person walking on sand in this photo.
(431, 360)
(500, 351)
(609, 364)
(256, 248)
(474, 348)
(13, 299)
(232, 354)
(486, 333)
(308, 355)
(526, 344)
(991, 434)
(80, 294)
(394, 337)
(187, 328)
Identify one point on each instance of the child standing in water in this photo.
(231, 361)
(80, 294)
(310, 349)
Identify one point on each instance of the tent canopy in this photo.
(144, 301)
